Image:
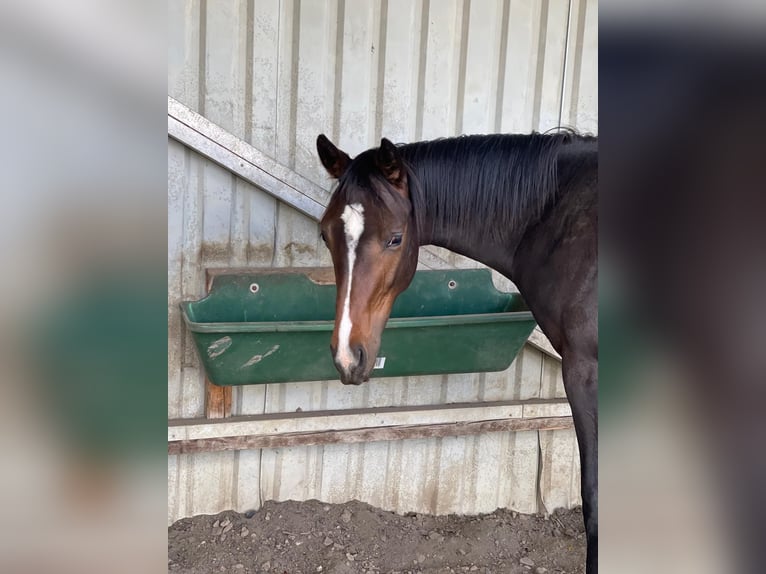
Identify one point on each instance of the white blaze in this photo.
(353, 225)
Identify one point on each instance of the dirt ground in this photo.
(310, 537)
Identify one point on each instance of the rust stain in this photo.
(260, 252)
(295, 248)
(322, 276)
(258, 358)
(218, 347)
(216, 251)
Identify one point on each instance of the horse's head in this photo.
(370, 231)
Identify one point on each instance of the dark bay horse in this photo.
(525, 205)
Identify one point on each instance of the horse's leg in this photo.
(580, 373)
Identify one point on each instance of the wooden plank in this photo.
(217, 398)
(372, 434)
(321, 420)
(245, 167)
(338, 420)
(217, 401)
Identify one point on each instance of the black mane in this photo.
(508, 178)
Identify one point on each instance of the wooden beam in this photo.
(245, 169)
(371, 434)
(348, 419)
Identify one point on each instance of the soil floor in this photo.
(356, 538)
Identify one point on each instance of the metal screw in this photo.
(254, 288)
(452, 284)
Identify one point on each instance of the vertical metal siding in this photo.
(276, 73)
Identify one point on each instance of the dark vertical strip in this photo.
(202, 87)
(541, 40)
(276, 228)
(277, 480)
(177, 498)
(501, 63)
(182, 265)
(233, 215)
(380, 86)
(437, 461)
(201, 185)
(473, 441)
(261, 497)
(190, 458)
(519, 371)
(296, 42)
(539, 477)
(419, 104)
(358, 476)
(443, 390)
(235, 480)
(249, 48)
(577, 65)
(506, 454)
(565, 61)
(319, 469)
(460, 100)
(388, 478)
(337, 94)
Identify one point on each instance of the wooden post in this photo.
(217, 399)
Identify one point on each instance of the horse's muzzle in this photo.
(355, 373)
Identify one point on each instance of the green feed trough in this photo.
(274, 326)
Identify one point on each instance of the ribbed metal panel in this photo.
(277, 73)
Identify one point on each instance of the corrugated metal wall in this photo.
(277, 73)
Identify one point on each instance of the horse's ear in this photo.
(389, 162)
(334, 160)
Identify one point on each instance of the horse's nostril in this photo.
(361, 356)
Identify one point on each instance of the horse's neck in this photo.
(475, 243)
(498, 250)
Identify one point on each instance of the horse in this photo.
(524, 205)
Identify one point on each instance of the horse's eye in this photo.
(395, 241)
